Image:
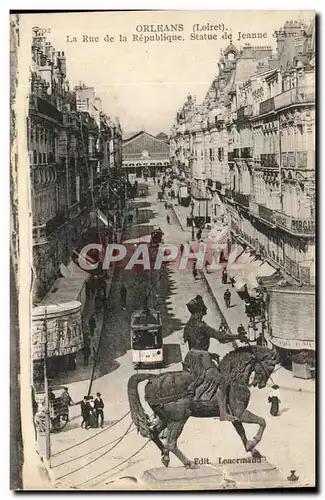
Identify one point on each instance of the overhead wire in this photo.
(116, 466)
(100, 456)
(91, 437)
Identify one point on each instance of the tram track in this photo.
(142, 285)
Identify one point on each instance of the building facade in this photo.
(74, 156)
(145, 155)
(251, 143)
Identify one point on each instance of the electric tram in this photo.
(146, 338)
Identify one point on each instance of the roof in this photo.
(129, 135)
(145, 145)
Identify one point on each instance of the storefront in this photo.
(292, 319)
(57, 335)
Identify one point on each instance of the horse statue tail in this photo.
(138, 415)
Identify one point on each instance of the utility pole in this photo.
(47, 403)
(192, 220)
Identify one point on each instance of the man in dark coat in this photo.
(84, 411)
(67, 400)
(227, 297)
(99, 409)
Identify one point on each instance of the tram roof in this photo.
(144, 318)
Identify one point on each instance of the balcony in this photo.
(246, 152)
(218, 186)
(44, 107)
(242, 199)
(267, 106)
(244, 112)
(269, 160)
(297, 95)
(298, 159)
(297, 226)
(236, 153)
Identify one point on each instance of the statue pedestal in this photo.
(216, 476)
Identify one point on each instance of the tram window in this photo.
(143, 339)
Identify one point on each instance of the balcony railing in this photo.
(298, 159)
(246, 153)
(241, 198)
(218, 186)
(269, 160)
(231, 156)
(267, 106)
(305, 227)
(244, 112)
(295, 95)
(236, 153)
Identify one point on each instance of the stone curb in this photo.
(178, 219)
(235, 345)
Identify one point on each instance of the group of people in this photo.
(92, 411)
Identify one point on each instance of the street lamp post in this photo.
(47, 402)
(192, 220)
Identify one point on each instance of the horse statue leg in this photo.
(239, 396)
(174, 430)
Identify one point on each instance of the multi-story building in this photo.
(251, 144)
(72, 145)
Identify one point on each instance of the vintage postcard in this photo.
(163, 250)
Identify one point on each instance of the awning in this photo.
(218, 235)
(74, 271)
(266, 270)
(261, 271)
(102, 217)
(237, 268)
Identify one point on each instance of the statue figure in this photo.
(196, 392)
(207, 382)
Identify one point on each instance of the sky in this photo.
(144, 84)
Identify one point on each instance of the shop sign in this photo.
(293, 344)
(303, 226)
(63, 336)
(281, 219)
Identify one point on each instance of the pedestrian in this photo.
(194, 272)
(232, 282)
(251, 331)
(92, 325)
(168, 219)
(181, 248)
(86, 351)
(123, 295)
(67, 401)
(206, 265)
(99, 408)
(241, 330)
(274, 399)
(158, 182)
(223, 328)
(227, 297)
(224, 277)
(166, 205)
(199, 234)
(52, 396)
(91, 421)
(84, 409)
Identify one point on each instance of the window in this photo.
(144, 339)
(39, 157)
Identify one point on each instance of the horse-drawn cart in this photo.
(59, 415)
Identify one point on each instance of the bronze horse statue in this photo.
(171, 402)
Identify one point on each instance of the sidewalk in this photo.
(236, 313)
